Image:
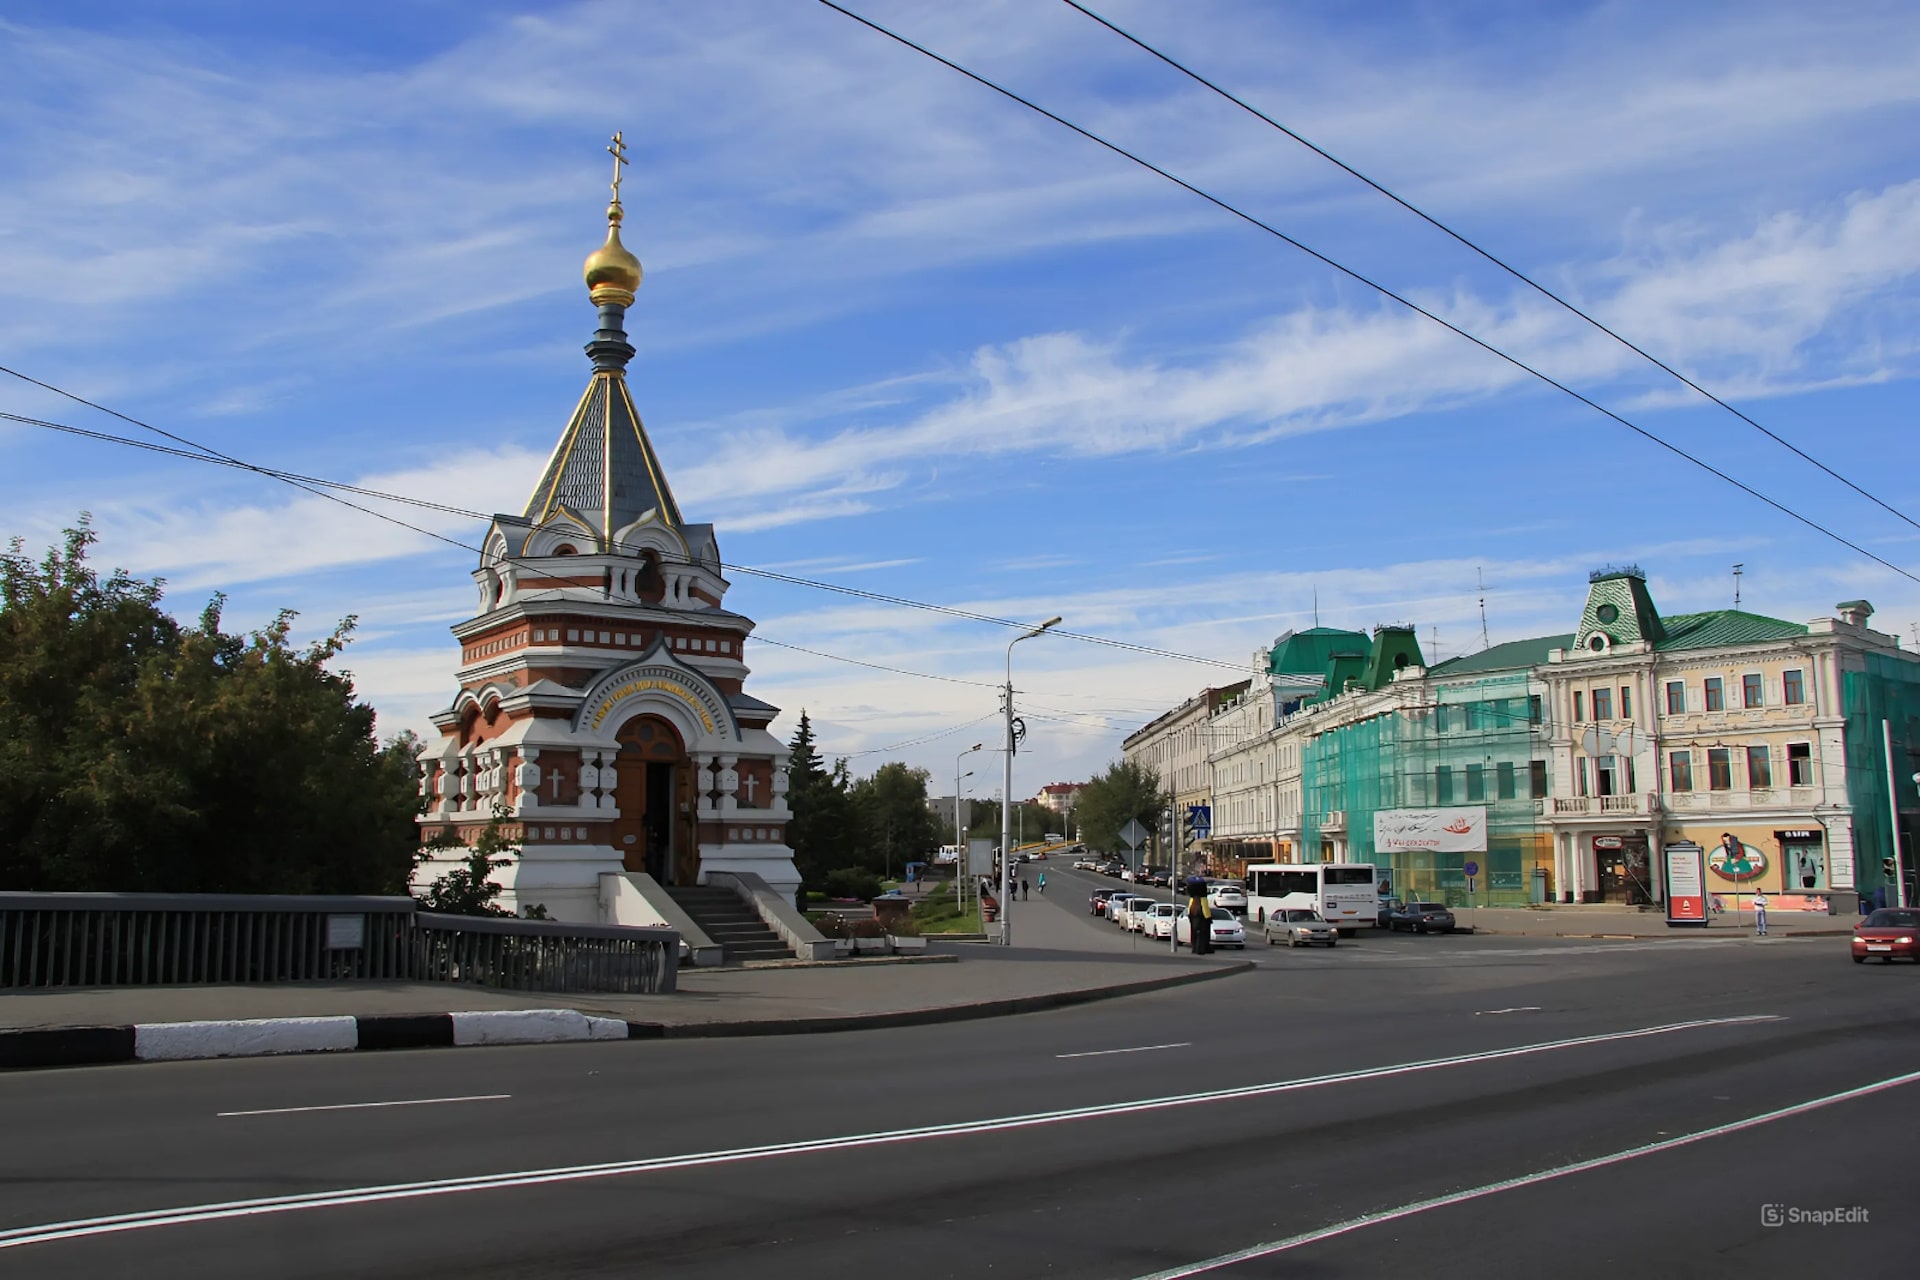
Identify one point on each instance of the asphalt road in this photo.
(1548, 1097)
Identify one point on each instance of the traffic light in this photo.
(1166, 829)
(1186, 830)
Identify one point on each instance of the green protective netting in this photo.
(1474, 745)
(1887, 690)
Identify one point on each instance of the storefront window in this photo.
(1806, 868)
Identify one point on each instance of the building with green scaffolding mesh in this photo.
(1788, 749)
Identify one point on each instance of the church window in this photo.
(759, 833)
(549, 833)
(573, 633)
(605, 638)
(710, 646)
(726, 646)
(619, 637)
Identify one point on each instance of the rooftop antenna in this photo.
(1436, 642)
(1481, 578)
(1316, 605)
(1737, 571)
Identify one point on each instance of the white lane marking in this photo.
(1144, 1048)
(1525, 1180)
(1519, 1008)
(362, 1106)
(83, 1227)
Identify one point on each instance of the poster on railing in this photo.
(1686, 884)
(1461, 830)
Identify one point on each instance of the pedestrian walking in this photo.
(1760, 913)
(1024, 887)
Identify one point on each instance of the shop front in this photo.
(1623, 868)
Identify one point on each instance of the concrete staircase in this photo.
(729, 921)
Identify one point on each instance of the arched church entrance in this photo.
(655, 831)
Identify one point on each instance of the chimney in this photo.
(1855, 612)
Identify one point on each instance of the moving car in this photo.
(1300, 928)
(1226, 929)
(1422, 917)
(1387, 907)
(1230, 894)
(1084, 863)
(1890, 933)
(1097, 904)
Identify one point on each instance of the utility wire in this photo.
(1511, 270)
(1370, 283)
(318, 487)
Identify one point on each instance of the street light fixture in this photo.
(959, 839)
(1006, 806)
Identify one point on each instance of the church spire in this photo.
(612, 275)
(604, 469)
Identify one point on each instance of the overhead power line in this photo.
(1501, 263)
(319, 487)
(1368, 281)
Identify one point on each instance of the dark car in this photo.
(1097, 905)
(1112, 867)
(1387, 907)
(1890, 933)
(1421, 917)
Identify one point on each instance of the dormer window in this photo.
(565, 549)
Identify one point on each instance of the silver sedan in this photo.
(1300, 928)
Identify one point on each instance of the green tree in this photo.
(468, 888)
(824, 832)
(1127, 791)
(899, 827)
(143, 755)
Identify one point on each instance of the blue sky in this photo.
(899, 333)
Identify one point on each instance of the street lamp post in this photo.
(959, 836)
(1006, 812)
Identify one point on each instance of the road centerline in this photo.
(1142, 1048)
(1268, 1249)
(81, 1228)
(365, 1106)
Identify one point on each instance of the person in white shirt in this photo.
(1760, 913)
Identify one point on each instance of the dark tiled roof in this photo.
(1503, 657)
(604, 468)
(1719, 627)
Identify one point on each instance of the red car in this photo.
(1888, 933)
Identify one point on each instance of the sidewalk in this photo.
(1608, 921)
(1058, 960)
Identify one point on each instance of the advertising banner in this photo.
(1686, 884)
(1461, 830)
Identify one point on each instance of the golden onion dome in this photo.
(612, 273)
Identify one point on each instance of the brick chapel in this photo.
(602, 712)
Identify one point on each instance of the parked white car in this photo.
(1227, 930)
(1117, 907)
(1157, 920)
(1134, 914)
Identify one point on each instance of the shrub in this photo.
(853, 882)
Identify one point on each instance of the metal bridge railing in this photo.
(115, 939)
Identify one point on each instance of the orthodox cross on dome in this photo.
(618, 150)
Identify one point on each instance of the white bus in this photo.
(1346, 894)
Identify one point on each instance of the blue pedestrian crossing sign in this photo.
(1200, 820)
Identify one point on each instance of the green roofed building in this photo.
(1586, 753)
